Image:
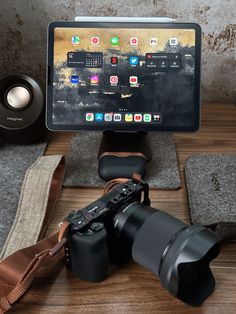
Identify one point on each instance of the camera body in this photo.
(121, 225)
(94, 243)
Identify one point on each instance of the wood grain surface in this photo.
(132, 289)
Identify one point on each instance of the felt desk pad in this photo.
(14, 161)
(82, 163)
(211, 187)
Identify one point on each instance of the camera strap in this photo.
(18, 270)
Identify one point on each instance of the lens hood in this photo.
(179, 254)
(184, 270)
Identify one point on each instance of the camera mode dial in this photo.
(96, 226)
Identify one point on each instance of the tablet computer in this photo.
(123, 76)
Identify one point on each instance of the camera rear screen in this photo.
(123, 78)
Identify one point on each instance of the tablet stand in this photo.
(123, 153)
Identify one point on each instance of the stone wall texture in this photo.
(23, 34)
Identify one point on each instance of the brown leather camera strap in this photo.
(18, 270)
(112, 184)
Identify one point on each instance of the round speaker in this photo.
(22, 110)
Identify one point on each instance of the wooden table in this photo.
(132, 289)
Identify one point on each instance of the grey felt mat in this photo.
(81, 166)
(14, 161)
(211, 186)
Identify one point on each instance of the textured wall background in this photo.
(23, 30)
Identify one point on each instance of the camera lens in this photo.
(176, 252)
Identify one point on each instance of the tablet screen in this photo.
(123, 78)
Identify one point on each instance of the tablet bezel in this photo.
(118, 127)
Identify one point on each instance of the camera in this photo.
(121, 225)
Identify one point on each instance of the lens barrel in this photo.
(176, 252)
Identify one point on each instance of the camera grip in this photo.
(87, 255)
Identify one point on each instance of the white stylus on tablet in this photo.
(123, 19)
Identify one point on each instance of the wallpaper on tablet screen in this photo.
(124, 71)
